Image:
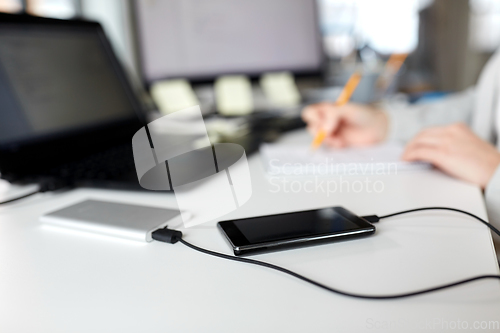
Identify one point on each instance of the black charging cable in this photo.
(43, 186)
(20, 197)
(173, 236)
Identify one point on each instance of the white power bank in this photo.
(112, 219)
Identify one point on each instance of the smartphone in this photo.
(281, 231)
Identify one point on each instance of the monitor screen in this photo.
(199, 39)
(55, 80)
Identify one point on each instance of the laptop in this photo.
(67, 110)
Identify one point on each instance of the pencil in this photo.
(392, 66)
(343, 98)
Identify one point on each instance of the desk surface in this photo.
(55, 280)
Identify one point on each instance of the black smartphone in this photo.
(280, 231)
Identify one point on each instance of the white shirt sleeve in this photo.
(406, 122)
(492, 198)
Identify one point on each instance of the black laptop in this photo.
(67, 110)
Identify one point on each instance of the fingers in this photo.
(347, 125)
(336, 141)
(443, 138)
(430, 145)
(310, 114)
(425, 154)
(332, 119)
(322, 116)
(433, 137)
(314, 113)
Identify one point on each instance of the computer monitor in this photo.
(200, 40)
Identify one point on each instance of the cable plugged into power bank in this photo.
(167, 235)
(173, 236)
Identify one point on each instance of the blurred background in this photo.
(449, 40)
(176, 52)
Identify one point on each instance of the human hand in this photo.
(456, 150)
(347, 125)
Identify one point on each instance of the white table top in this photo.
(56, 280)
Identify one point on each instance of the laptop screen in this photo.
(55, 81)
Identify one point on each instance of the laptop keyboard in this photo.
(116, 163)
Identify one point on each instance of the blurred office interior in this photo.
(447, 42)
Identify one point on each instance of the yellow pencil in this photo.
(343, 98)
(392, 66)
(395, 61)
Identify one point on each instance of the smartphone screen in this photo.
(298, 227)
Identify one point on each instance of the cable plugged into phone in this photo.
(173, 236)
(371, 218)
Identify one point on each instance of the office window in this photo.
(388, 26)
(484, 25)
(62, 9)
(11, 6)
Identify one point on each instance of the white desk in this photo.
(53, 280)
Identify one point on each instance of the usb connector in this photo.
(167, 235)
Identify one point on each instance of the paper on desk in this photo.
(384, 159)
(173, 95)
(233, 95)
(280, 89)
